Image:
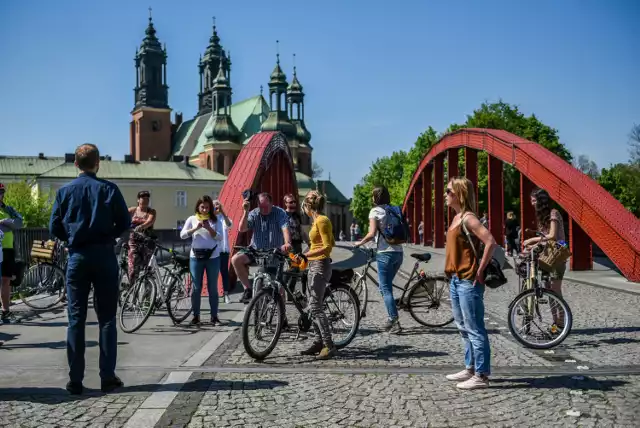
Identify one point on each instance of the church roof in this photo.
(334, 196)
(247, 115)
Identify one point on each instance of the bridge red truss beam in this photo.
(263, 165)
(590, 207)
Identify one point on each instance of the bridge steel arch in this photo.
(263, 165)
(594, 215)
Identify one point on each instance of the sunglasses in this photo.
(449, 191)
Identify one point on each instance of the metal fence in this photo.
(23, 241)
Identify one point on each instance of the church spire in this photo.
(295, 100)
(278, 119)
(214, 58)
(223, 128)
(151, 88)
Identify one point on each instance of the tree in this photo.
(316, 170)
(507, 117)
(634, 144)
(35, 207)
(394, 172)
(587, 166)
(623, 182)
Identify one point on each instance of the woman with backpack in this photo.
(389, 256)
(466, 272)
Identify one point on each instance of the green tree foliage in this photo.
(623, 179)
(395, 172)
(35, 207)
(623, 182)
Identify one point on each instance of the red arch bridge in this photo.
(594, 215)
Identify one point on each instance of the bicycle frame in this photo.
(414, 274)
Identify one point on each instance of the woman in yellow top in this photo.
(322, 242)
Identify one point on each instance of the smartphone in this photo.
(247, 194)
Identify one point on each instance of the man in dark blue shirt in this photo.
(89, 213)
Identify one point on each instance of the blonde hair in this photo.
(511, 215)
(314, 201)
(463, 189)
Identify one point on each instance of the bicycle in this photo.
(47, 277)
(428, 287)
(158, 288)
(534, 295)
(268, 306)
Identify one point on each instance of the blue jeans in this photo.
(197, 268)
(95, 266)
(467, 302)
(224, 271)
(389, 263)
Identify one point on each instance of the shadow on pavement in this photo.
(49, 395)
(385, 352)
(556, 382)
(61, 344)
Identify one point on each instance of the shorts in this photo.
(9, 268)
(252, 260)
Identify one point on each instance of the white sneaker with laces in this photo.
(460, 376)
(474, 383)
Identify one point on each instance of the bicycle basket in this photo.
(553, 256)
(43, 250)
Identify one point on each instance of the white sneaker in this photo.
(227, 299)
(460, 376)
(474, 383)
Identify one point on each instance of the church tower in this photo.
(150, 127)
(277, 120)
(214, 59)
(300, 148)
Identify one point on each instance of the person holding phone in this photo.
(224, 250)
(205, 231)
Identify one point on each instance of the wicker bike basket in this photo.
(553, 256)
(42, 251)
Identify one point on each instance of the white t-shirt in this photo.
(381, 244)
(202, 238)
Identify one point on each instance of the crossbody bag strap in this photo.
(466, 232)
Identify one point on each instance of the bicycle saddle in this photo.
(423, 257)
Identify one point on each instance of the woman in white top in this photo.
(205, 231)
(224, 250)
(389, 257)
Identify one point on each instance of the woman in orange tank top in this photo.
(466, 274)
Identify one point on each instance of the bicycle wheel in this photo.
(535, 307)
(429, 303)
(343, 312)
(266, 308)
(138, 304)
(179, 297)
(362, 292)
(43, 286)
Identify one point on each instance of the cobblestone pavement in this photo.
(50, 408)
(267, 400)
(386, 380)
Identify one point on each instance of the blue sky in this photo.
(376, 73)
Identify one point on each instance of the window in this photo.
(181, 199)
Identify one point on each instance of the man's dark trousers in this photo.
(97, 266)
